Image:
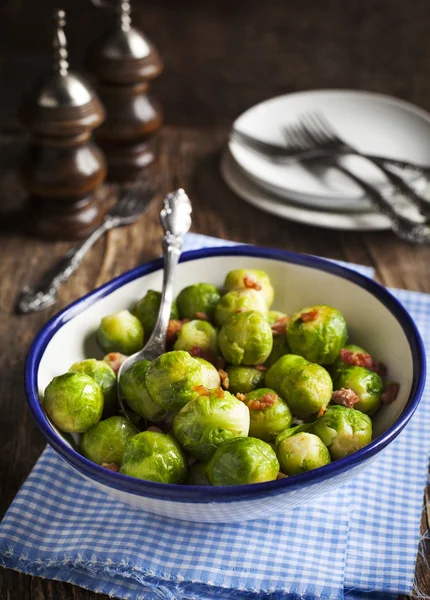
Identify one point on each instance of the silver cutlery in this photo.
(129, 208)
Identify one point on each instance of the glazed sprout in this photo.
(343, 430)
(244, 379)
(307, 390)
(73, 402)
(242, 300)
(276, 373)
(120, 332)
(171, 379)
(243, 460)
(210, 377)
(147, 310)
(302, 452)
(101, 372)
(197, 334)
(317, 333)
(246, 338)
(198, 474)
(250, 279)
(198, 301)
(155, 457)
(367, 387)
(104, 442)
(269, 414)
(133, 389)
(206, 422)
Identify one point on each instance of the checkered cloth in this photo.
(359, 542)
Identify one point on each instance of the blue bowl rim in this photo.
(202, 494)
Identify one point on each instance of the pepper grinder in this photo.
(123, 61)
(63, 167)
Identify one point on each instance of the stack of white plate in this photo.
(316, 195)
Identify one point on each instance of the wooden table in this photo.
(220, 58)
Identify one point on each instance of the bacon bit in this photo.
(219, 393)
(153, 428)
(358, 359)
(251, 283)
(202, 316)
(379, 368)
(280, 325)
(390, 393)
(322, 411)
(173, 329)
(312, 315)
(281, 475)
(114, 360)
(208, 355)
(260, 367)
(345, 397)
(240, 310)
(111, 467)
(241, 397)
(224, 378)
(202, 390)
(268, 399)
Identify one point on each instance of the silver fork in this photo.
(127, 210)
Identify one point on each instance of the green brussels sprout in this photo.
(250, 279)
(73, 402)
(269, 414)
(276, 373)
(318, 333)
(340, 364)
(367, 385)
(246, 338)
(198, 474)
(209, 420)
(198, 299)
(147, 310)
(302, 452)
(171, 379)
(105, 377)
(307, 389)
(210, 378)
(104, 442)
(239, 301)
(291, 431)
(155, 457)
(133, 389)
(244, 379)
(120, 332)
(280, 348)
(243, 460)
(196, 333)
(343, 430)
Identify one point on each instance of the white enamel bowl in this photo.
(375, 319)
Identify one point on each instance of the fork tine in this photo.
(326, 126)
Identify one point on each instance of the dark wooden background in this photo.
(220, 57)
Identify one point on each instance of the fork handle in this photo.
(45, 292)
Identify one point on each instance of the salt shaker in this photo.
(63, 166)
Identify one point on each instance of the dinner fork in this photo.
(127, 210)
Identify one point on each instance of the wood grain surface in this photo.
(220, 57)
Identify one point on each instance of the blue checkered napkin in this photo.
(358, 542)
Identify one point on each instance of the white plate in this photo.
(252, 193)
(374, 123)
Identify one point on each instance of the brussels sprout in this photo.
(73, 402)
(250, 279)
(302, 452)
(243, 460)
(147, 310)
(172, 378)
(246, 338)
(120, 332)
(269, 414)
(244, 379)
(343, 430)
(104, 442)
(210, 378)
(198, 299)
(209, 420)
(198, 474)
(155, 457)
(340, 364)
(105, 377)
(133, 389)
(307, 389)
(280, 348)
(291, 431)
(317, 333)
(276, 373)
(200, 334)
(367, 385)
(239, 301)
